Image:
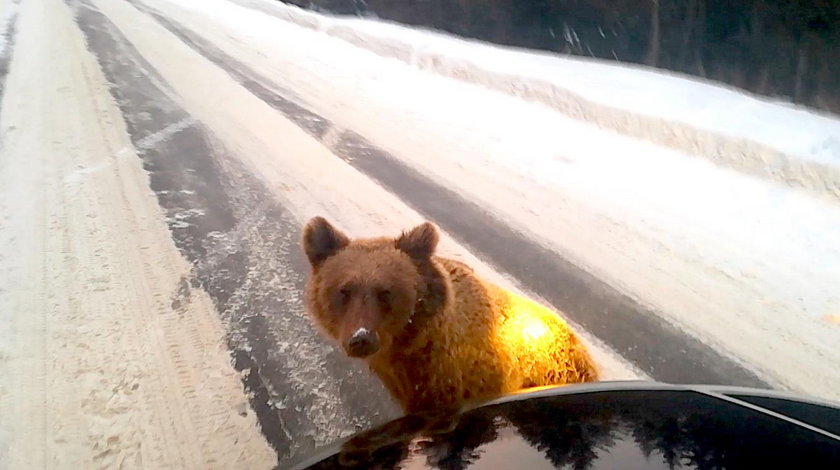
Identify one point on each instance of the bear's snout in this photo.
(362, 343)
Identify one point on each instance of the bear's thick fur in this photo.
(435, 333)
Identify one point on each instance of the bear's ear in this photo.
(321, 240)
(420, 242)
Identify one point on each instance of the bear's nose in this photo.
(362, 343)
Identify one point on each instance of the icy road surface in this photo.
(159, 157)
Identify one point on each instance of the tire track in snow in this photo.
(636, 332)
(244, 249)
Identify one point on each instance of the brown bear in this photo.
(435, 333)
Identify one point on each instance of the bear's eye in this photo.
(344, 295)
(384, 297)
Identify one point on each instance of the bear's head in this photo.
(368, 294)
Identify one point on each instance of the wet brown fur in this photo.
(447, 337)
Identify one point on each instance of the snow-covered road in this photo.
(159, 158)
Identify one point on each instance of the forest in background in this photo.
(787, 49)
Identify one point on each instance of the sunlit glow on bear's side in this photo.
(528, 325)
(538, 341)
(534, 329)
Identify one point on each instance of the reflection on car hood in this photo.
(628, 425)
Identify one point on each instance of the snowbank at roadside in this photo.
(772, 140)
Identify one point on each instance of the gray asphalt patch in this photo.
(280, 99)
(636, 332)
(244, 249)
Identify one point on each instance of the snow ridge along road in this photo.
(725, 125)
